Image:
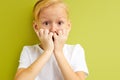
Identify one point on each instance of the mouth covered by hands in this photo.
(52, 41)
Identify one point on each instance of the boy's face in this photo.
(53, 18)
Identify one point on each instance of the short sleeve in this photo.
(78, 61)
(24, 61)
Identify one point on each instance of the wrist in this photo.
(48, 51)
(58, 50)
(58, 53)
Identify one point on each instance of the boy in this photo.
(52, 59)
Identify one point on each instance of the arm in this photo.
(66, 70)
(32, 71)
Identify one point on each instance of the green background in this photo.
(95, 25)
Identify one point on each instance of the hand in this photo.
(59, 40)
(46, 39)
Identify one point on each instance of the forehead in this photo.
(56, 10)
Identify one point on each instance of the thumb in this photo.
(55, 35)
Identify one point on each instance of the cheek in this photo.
(43, 27)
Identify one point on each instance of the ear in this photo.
(69, 25)
(35, 26)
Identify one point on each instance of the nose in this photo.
(53, 28)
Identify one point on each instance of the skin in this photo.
(52, 29)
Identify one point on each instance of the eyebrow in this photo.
(43, 17)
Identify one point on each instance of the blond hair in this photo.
(41, 4)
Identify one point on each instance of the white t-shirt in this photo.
(74, 54)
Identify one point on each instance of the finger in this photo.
(51, 34)
(46, 31)
(65, 32)
(55, 35)
(41, 32)
(59, 32)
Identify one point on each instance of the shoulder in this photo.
(73, 50)
(31, 48)
(77, 54)
(73, 47)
